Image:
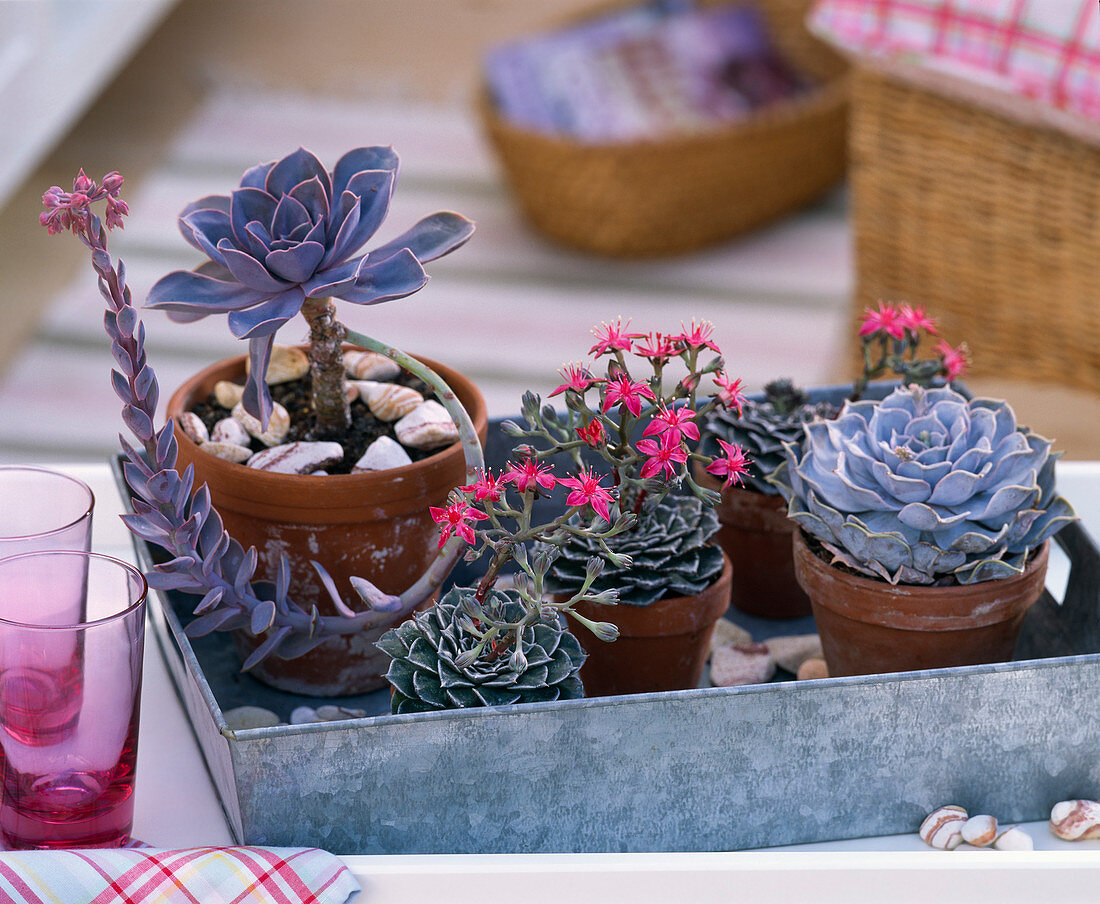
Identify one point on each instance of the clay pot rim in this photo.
(917, 602)
(179, 398)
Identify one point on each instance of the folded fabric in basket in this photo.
(208, 875)
(1042, 50)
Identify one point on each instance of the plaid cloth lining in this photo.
(1043, 50)
(235, 875)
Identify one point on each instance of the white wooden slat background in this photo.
(508, 309)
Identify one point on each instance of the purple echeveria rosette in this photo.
(925, 486)
(291, 232)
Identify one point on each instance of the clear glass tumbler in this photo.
(43, 509)
(71, 641)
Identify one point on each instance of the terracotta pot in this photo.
(756, 535)
(661, 647)
(868, 627)
(375, 525)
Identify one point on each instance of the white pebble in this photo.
(427, 426)
(278, 425)
(228, 394)
(194, 428)
(381, 455)
(227, 451)
(230, 430)
(250, 717)
(744, 663)
(363, 365)
(297, 458)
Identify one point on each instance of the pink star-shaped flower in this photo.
(658, 347)
(587, 491)
(624, 391)
(577, 379)
(613, 337)
(485, 487)
(454, 518)
(955, 360)
(529, 473)
(916, 319)
(673, 423)
(885, 320)
(697, 336)
(664, 457)
(732, 467)
(729, 392)
(592, 434)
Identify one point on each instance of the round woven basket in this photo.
(673, 195)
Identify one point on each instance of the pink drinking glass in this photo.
(43, 509)
(71, 639)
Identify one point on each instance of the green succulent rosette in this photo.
(433, 666)
(669, 552)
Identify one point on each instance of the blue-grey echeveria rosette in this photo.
(925, 486)
(292, 231)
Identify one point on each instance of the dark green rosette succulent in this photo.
(439, 660)
(762, 427)
(668, 550)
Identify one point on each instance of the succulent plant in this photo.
(285, 242)
(438, 661)
(667, 549)
(762, 427)
(924, 487)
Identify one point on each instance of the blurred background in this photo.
(181, 96)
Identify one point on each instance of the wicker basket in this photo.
(663, 197)
(991, 223)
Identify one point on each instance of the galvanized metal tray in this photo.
(704, 770)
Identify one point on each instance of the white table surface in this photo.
(177, 806)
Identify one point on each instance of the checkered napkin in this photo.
(231, 875)
(1045, 51)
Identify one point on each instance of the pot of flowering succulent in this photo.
(249, 579)
(925, 521)
(756, 532)
(672, 582)
(580, 557)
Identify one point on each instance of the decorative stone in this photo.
(1075, 820)
(227, 451)
(727, 633)
(278, 424)
(427, 426)
(243, 717)
(330, 713)
(297, 458)
(381, 455)
(812, 669)
(300, 715)
(388, 401)
(793, 650)
(744, 663)
(942, 828)
(363, 365)
(194, 428)
(980, 831)
(230, 430)
(228, 394)
(1013, 839)
(287, 363)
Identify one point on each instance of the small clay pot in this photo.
(661, 647)
(756, 535)
(868, 627)
(374, 525)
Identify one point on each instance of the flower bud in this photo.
(594, 567)
(465, 659)
(605, 631)
(511, 428)
(517, 662)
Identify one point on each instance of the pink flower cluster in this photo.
(69, 210)
(904, 324)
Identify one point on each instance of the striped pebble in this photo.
(942, 828)
(297, 458)
(362, 365)
(278, 425)
(427, 426)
